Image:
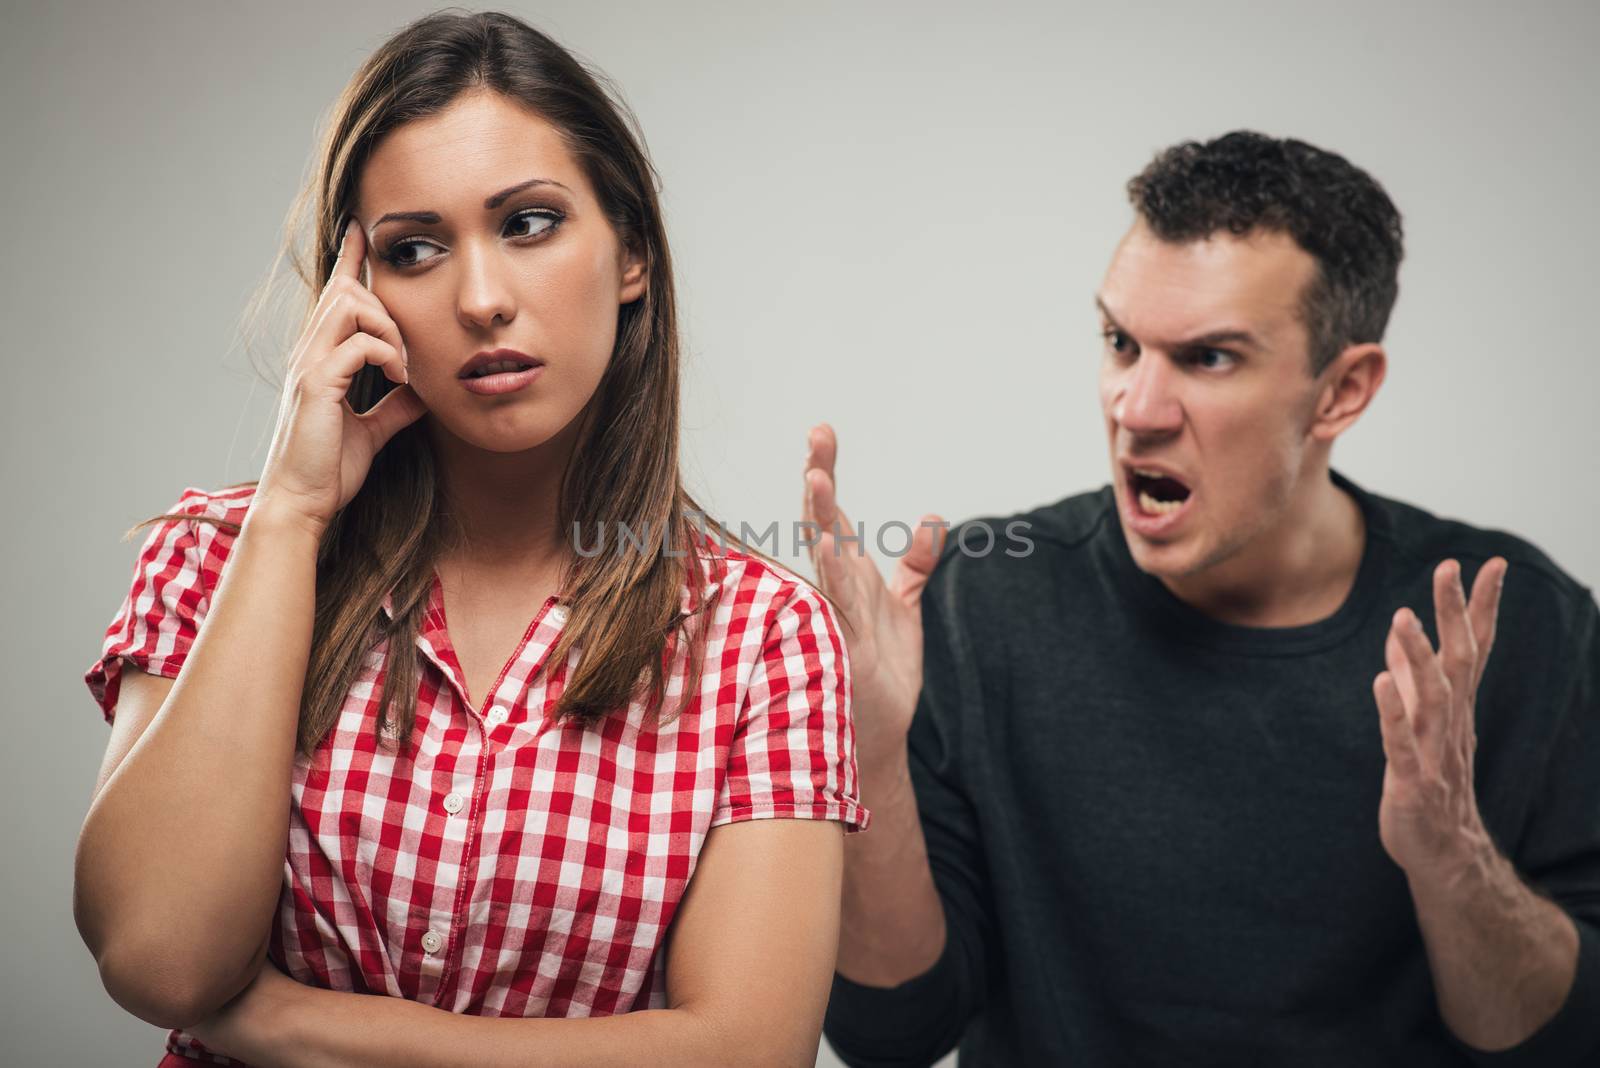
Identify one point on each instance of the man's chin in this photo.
(1174, 559)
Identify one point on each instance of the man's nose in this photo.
(1148, 403)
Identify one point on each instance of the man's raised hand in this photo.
(882, 622)
(1428, 818)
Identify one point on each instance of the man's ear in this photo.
(635, 277)
(1349, 384)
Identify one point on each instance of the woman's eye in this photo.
(524, 224)
(538, 221)
(395, 253)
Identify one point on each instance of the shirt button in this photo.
(559, 613)
(432, 941)
(498, 715)
(453, 803)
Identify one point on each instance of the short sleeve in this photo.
(159, 618)
(793, 750)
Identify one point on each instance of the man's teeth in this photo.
(1150, 504)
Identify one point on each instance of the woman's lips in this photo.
(502, 381)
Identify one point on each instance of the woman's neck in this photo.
(505, 505)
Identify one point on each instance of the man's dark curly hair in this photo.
(1245, 181)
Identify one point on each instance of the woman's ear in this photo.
(635, 276)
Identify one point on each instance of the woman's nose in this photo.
(485, 294)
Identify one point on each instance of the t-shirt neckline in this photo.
(1194, 627)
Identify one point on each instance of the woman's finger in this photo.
(352, 252)
(347, 309)
(399, 408)
(360, 349)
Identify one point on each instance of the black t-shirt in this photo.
(1155, 835)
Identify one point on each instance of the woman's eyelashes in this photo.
(526, 226)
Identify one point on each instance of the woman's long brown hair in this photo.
(625, 605)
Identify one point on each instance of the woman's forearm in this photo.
(281, 1024)
(180, 860)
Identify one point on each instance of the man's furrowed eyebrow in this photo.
(1223, 337)
(1216, 337)
(431, 218)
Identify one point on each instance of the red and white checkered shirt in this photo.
(502, 865)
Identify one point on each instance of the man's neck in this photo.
(1295, 573)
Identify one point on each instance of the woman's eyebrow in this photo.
(495, 201)
(432, 217)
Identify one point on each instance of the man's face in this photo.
(1207, 392)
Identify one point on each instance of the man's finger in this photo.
(833, 577)
(1456, 644)
(1399, 739)
(1430, 716)
(1394, 657)
(1425, 668)
(912, 572)
(835, 536)
(1484, 611)
(825, 510)
(820, 452)
(1426, 725)
(824, 448)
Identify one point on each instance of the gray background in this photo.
(890, 217)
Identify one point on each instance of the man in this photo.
(1189, 783)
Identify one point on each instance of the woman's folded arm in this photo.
(750, 956)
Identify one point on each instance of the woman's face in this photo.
(503, 245)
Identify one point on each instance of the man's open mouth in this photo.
(1156, 492)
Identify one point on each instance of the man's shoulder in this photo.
(1005, 554)
(1421, 539)
(1071, 521)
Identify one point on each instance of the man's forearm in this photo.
(892, 926)
(1503, 958)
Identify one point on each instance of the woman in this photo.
(511, 752)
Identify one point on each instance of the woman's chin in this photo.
(500, 432)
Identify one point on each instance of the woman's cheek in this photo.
(585, 319)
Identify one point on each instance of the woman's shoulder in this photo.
(758, 585)
(228, 504)
(205, 520)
